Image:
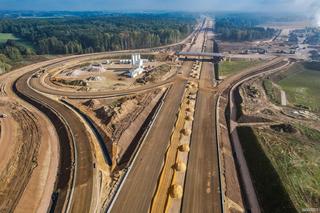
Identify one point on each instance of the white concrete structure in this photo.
(135, 59)
(283, 98)
(135, 72)
(137, 65)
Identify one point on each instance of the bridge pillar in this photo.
(216, 71)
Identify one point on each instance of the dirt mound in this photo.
(189, 118)
(104, 113)
(126, 107)
(180, 166)
(73, 82)
(176, 191)
(287, 128)
(184, 148)
(252, 91)
(267, 112)
(186, 132)
(190, 110)
(92, 103)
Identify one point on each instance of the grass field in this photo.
(271, 193)
(287, 163)
(227, 68)
(6, 36)
(272, 91)
(303, 87)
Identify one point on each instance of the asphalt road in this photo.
(139, 187)
(82, 195)
(201, 190)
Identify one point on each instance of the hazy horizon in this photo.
(310, 8)
(173, 5)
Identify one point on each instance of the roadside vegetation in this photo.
(15, 54)
(284, 166)
(228, 68)
(273, 92)
(271, 193)
(302, 85)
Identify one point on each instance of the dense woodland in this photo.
(313, 37)
(76, 35)
(241, 28)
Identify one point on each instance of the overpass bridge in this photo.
(200, 54)
(215, 58)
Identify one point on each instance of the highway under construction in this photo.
(158, 142)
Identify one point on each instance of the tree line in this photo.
(234, 28)
(12, 52)
(91, 33)
(95, 34)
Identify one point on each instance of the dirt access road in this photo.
(29, 154)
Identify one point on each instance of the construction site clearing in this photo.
(142, 131)
(112, 74)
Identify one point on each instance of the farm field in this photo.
(302, 86)
(6, 36)
(227, 68)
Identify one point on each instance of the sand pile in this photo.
(180, 166)
(125, 108)
(184, 148)
(176, 191)
(189, 118)
(186, 132)
(190, 110)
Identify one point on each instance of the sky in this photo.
(176, 5)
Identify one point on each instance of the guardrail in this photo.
(218, 153)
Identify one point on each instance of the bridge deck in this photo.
(201, 54)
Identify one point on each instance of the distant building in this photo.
(137, 65)
(135, 72)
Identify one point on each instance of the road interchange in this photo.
(75, 186)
